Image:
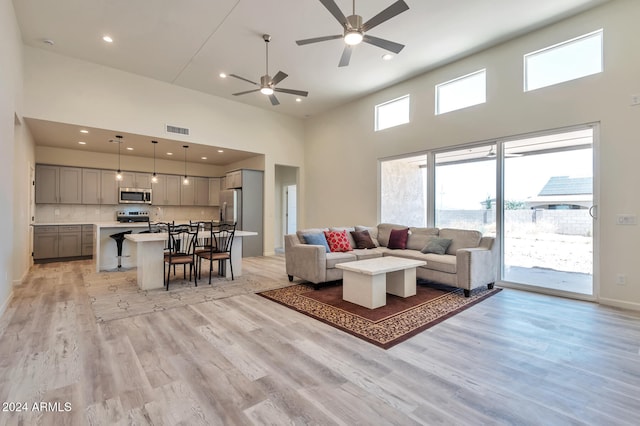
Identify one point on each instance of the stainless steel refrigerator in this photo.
(245, 207)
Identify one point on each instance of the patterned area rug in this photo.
(115, 295)
(386, 326)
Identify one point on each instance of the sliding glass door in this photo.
(548, 193)
(534, 193)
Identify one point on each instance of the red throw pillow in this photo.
(338, 240)
(398, 238)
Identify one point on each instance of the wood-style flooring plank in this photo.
(515, 358)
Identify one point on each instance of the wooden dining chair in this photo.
(181, 240)
(220, 249)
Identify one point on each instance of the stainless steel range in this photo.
(132, 216)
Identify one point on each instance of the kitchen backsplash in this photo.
(65, 213)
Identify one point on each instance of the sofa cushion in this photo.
(419, 237)
(300, 233)
(316, 239)
(362, 240)
(334, 258)
(437, 245)
(384, 230)
(373, 233)
(362, 254)
(352, 242)
(398, 238)
(437, 262)
(461, 238)
(338, 241)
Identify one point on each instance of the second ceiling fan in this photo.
(355, 30)
(268, 83)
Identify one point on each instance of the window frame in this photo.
(376, 126)
(457, 79)
(553, 47)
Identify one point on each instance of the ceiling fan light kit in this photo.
(355, 31)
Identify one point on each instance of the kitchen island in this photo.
(150, 259)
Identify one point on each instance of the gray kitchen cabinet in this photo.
(108, 187)
(135, 180)
(58, 185)
(167, 191)
(45, 242)
(57, 241)
(196, 193)
(87, 240)
(214, 191)
(234, 179)
(99, 186)
(91, 186)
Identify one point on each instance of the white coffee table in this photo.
(367, 282)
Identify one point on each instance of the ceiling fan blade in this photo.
(274, 100)
(279, 77)
(393, 10)
(292, 92)
(333, 8)
(318, 39)
(244, 93)
(346, 56)
(244, 79)
(384, 44)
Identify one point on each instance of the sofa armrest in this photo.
(475, 267)
(306, 261)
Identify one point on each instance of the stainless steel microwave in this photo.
(134, 196)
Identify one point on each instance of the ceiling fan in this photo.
(492, 154)
(267, 83)
(355, 30)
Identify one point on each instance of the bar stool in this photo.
(119, 238)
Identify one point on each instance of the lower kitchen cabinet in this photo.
(58, 241)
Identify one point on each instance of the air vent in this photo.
(178, 130)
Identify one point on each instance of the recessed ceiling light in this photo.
(129, 148)
(82, 142)
(107, 39)
(221, 150)
(298, 100)
(223, 75)
(387, 56)
(169, 153)
(84, 131)
(203, 158)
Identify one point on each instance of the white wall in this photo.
(342, 149)
(16, 150)
(62, 89)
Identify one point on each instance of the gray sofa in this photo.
(469, 262)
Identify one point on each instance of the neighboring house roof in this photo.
(565, 185)
(564, 190)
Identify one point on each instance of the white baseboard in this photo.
(269, 253)
(5, 305)
(620, 304)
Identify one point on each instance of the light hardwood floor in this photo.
(515, 358)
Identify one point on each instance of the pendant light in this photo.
(154, 177)
(186, 179)
(119, 172)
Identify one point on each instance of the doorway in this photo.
(286, 203)
(547, 238)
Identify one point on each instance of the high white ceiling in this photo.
(190, 42)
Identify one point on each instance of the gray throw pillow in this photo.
(437, 246)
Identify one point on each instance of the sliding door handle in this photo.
(593, 211)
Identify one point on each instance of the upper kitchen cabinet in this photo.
(214, 191)
(196, 193)
(99, 186)
(234, 179)
(167, 191)
(135, 180)
(56, 184)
